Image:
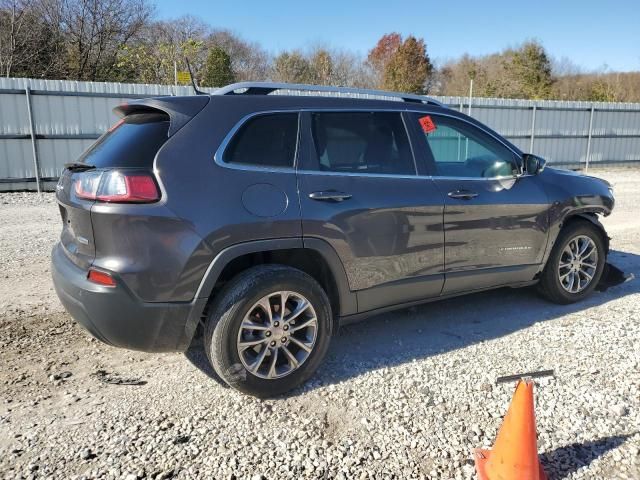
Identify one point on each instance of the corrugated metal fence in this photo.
(47, 123)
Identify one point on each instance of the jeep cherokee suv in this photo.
(263, 220)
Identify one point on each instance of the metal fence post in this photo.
(533, 128)
(32, 131)
(586, 166)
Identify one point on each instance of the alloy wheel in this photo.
(578, 264)
(277, 334)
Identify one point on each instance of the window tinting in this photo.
(461, 150)
(132, 142)
(266, 140)
(362, 142)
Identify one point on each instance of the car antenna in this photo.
(193, 81)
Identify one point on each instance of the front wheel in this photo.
(269, 330)
(575, 265)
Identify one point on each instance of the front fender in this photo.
(573, 196)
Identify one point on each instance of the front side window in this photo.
(461, 150)
(362, 142)
(268, 140)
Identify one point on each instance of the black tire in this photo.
(550, 286)
(234, 302)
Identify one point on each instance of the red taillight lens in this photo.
(127, 187)
(117, 186)
(101, 278)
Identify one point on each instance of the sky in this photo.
(592, 34)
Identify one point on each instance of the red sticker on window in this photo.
(427, 124)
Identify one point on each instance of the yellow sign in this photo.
(184, 77)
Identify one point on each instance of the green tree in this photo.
(530, 70)
(217, 69)
(292, 68)
(322, 68)
(409, 67)
(602, 91)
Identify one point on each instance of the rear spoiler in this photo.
(179, 109)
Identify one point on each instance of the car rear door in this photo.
(360, 192)
(495, 221)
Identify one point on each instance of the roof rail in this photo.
(265, 88)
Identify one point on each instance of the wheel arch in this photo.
(313, 256)
(588, 214)
(591, 217)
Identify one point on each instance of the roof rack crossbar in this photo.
(265, 88)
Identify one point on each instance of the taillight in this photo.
(101, 278)
(116, 186)
(86, 184)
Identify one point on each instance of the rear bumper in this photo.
(116, 317)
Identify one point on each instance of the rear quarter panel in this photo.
(157, 254)
(207, 199)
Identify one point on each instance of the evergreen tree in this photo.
(530, 69)
(217, 69)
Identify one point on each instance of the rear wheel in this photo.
(575, 265)
(268, 330)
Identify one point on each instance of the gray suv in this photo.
(264, 216)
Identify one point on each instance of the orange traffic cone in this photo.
(515, 452)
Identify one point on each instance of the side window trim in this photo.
(218, 156)
(429, 160)
(311, 159)
(418, 150)
(418, 146)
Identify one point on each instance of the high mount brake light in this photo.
(116, 186)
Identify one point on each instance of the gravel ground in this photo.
(404, 395)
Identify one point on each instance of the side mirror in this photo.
(533, 164)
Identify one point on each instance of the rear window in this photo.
(132, 142)
(266, 140)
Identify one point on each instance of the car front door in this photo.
(495, 220)
(359, 191)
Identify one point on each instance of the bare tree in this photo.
(29, 45)
(96, 30)
(13, 33)
(249, 61)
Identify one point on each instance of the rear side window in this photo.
(362, 142)
(268, 140)
(132, 142)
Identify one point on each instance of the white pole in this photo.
(533, 128)
(586, 165)
(466, 142)
(175, 73)
(32, 134)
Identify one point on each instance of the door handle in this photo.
(329, 196)
(462, 194)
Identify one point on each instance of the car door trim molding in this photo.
(219, 154)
